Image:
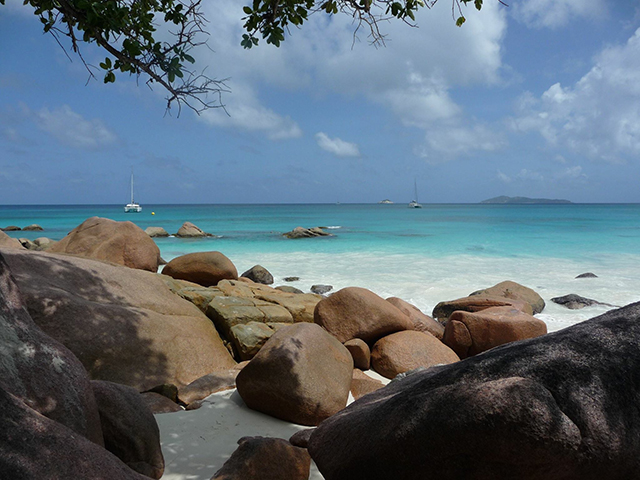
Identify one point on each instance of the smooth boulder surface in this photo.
(208, 384)
(123, 324)
(476, 303)
(33, 228)
(156, 232)
(408, 350)
(469, 333)
(355, 312)
(261, 458)
(301, 375)
(129, 428)
(39, 370)
(558, 407)
(515, 291)
(361, 384)
(188, 229)
(259, 274)
(421, 322)
(34, 447)
(122, 243)
(9, 242)
(203, 268)
(360, 352)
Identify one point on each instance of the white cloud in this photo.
(571, 174)
(73, 129)
(599, 116)
(337, 146)
(444, 142)
(503, 177)
(411, 76)
(244, 112)
(557, 13)
(525, 174)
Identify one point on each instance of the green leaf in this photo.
(460, 21)
(478, 4)
(247, 10)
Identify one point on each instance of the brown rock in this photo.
(188, 229)
(301, 305)
(361, 384)
(159, 403)
(259, 458)
(168, 390)
(421, 322)
(33, 446)
(301, 438)
(301, 375)
(39, 370)
(33, 228)
(203, 268)
(355, 312)
(208, 384)
(123, 324)
(476, 303)
(122, 243)
(11, 228)
(9, 242)
(471, 333)
(156, 232)
(404, 351)
(300, 232)
(130, 430)
(360, 352)
(515, 291)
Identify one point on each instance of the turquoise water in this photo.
(424, 255)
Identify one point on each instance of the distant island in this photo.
(385, 201)
(524, 200)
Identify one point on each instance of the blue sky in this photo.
(539, 99)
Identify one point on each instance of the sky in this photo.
(540, 98)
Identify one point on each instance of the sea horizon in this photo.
(424, 256)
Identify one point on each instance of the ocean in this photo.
(439, 252)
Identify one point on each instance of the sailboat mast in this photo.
(415, 189)
(132, 185)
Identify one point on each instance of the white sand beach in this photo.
(196, 443)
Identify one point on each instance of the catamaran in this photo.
(132, 207)
(414, 203)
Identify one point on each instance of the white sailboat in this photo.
(132, 207)
(414, 203)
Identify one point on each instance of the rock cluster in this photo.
(55, 423)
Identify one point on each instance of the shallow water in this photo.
(424, 256)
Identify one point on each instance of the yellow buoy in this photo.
(153, 213)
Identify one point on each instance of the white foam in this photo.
(425, 281)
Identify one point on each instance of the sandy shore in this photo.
(196, 443)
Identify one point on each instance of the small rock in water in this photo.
(291, 279)
(587, 275)
(300, 232)
(259, 274)
(576, 302)
(33, 228)
(11, 228)
(321, 289)
(156, 232)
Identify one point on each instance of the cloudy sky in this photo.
(540, 98)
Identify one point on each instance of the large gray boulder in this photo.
(129, 428)
(39, 370)
(561, 406)
(34, 447)
(123, 324)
